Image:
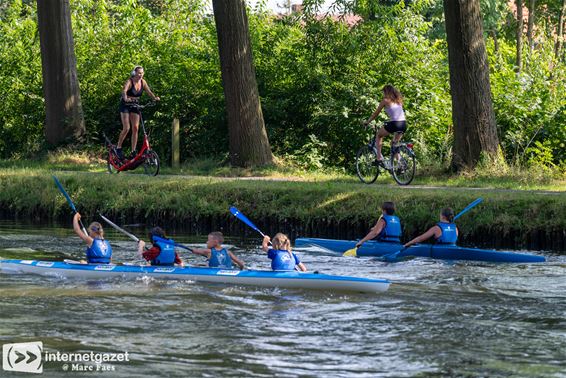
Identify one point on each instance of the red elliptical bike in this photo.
(145, 156)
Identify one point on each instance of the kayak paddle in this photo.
(468, 208)
(120, 229)
(353, 252)
(171, 242)
(235, 212)
(391, 257)
(136, 239)
(69, 201)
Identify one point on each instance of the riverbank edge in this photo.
(505, 219)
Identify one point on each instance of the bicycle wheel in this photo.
(403, 165)
(111, 158)
(367, 166)
(151, 163)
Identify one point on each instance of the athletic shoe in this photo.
(119, 153)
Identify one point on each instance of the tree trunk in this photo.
(495, 41)
(519, 60)
(64, 117)
(249, 145)
(472, 110)
(531, 23)
(561, 36)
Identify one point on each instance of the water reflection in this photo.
(437, 319)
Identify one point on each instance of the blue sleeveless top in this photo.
(167, 254)
(99, 252)
(449, 235)
(220, 259)
(392, 230)
(282, 259)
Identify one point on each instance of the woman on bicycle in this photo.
(393, 103)
(130, 116)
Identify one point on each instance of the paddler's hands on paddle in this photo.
(79, 231)
(141, 247)
(265, 243)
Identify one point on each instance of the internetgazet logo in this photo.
(23, 357)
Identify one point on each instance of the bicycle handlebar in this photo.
(137, 105)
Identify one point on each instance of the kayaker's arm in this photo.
(239, 262)
(375, 230)
(265, 243)
(141, 247)
(203, 252)
(178, 260)
(77, 228)
(302, 267)
(433, 231)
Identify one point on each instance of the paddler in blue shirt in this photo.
(218, 256)
(99, 250)
(280, 254)
(444, 232)
(387, 228)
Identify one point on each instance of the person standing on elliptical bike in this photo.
(130, 116)
(393, 103)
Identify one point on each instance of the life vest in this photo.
(449, 233)
(282, 259)
(392, 230)
(220, 259)
(99, 252)
(167, 253)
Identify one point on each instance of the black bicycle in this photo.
(402, 162)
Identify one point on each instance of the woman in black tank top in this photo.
(131, 93)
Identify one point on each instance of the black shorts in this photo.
(395, 126)
(126, 108)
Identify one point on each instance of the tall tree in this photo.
(249, 145)
(531, 23)
(472, 110)
(519, 59)
(64, 117)
(561, 34)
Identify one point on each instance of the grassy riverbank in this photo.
(296, 207)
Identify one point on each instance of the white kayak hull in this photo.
(284, 279)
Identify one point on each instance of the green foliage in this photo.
(530, 107)
(318, 78)
(323, 78)
(21, 98)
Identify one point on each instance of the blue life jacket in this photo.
(392, 230)
(220, 259)
(99, 252)
(282, 259)
(449, 234)
(167, 254)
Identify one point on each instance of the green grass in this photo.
(517, 178)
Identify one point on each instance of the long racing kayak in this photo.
(283, 279)
(434, 251)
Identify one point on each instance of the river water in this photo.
(437, 319)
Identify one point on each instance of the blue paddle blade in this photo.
(235, 212)
(62, 190)
(468, 208)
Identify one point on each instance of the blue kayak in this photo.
(286, 279)
(434, 251)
